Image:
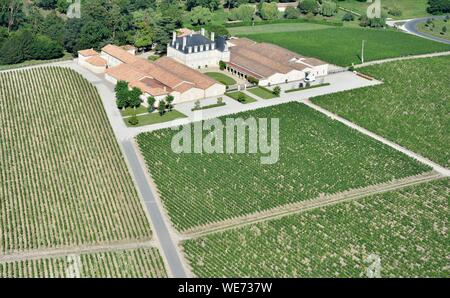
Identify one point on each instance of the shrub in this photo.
(291, 13)
(252, 80)
(395, 11)
(276, 91)
(241, 97)
(348, 17)
(133, 120)
(219, 100)
(222, 65)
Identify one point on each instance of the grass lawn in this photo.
(318, 156)
(156, 118)
(222, 78)
(346, 44)
(234, 95)
(411, 108)
(409, 8)
(274, 28)
(262, 92)
(437, 29)
(407, 229)
(130, 111)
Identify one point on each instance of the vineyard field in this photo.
(411, 108)
(136, 263)
(318, 156)
(405, 230)
(63, 179)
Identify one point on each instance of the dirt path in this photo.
(403, 58)
(310, 204)
(62, 252)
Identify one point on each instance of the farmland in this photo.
(63, 179)
(318, 156)
(346, 44)
(407, 229)
(274, 28)
(436, 29)
(411, 108)
(135, 263)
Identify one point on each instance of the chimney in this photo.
(174, 37)
(184, 42)
(213, 36)
(203, 31)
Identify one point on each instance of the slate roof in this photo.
(196, 39)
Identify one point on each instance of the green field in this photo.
(274, 28)
(318, 156)
(407, 229)
(155, 117)
(136, 263)
(234, 95)
(63, 179)
(342, 46)
(410, 8)
(131, 111)
(220, 77)
(436, 30)
(262, 92)
(411, 108)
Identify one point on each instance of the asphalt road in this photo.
(411, 27)
(159, 226)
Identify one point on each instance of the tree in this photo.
(134, 97)
(209, 4)
(162, 107)
(269, 11)
(277, 91)
(54, 27)
(121, 90)
(92, 34)
(444, 30)
(169, 100)
(200, 16)
(72, 35)
(329, 8)
(309, 6)
(438, 6)
(291, 13)
(151, 104)
(241, 97)
(222, 65)
(143, 21)
(133, 120)
(243, 13)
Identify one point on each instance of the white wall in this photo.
(215, 90)
(202, 59)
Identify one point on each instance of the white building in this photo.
(197, 50)
(271, 64)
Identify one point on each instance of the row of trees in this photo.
(438, 6)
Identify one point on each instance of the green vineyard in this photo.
(63, 179)
(411, 108)
(137, 263)
(406, 230)
(318, 156)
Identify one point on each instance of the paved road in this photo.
(158, 224)
(411, 27)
